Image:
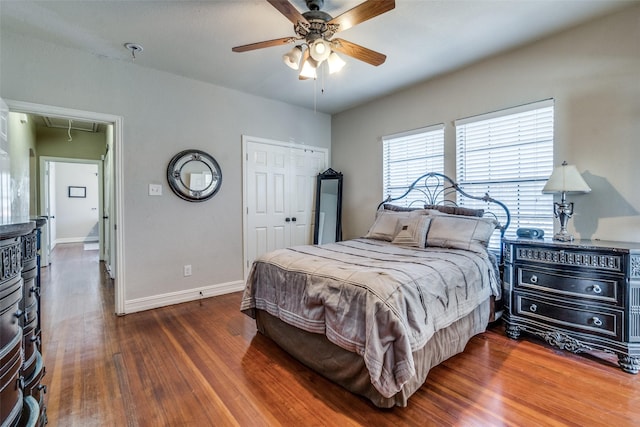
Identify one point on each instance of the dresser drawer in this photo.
(572, 258)
(591, 288)
(580, 318)
(10, 296)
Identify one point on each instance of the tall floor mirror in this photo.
(328, 222)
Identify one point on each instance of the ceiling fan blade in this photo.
(358, 52)
(267, 43)
(364, 11)
(288, 10)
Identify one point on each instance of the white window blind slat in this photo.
(408, 155)
(509, 154)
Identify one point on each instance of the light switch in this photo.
(155, 189)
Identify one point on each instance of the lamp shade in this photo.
(292, 58)
(566, 178)
(335, 63)
(319, 50)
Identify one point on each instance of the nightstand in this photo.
(578, 296)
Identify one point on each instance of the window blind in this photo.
(408, 155)
(509, 154)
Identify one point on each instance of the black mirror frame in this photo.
(176, 183)
(329, 174)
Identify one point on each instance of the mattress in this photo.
(381, 302)
(348, 369)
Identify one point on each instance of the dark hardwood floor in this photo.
(202, 363)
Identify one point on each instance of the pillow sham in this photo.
(460, 232)
(456, 210)
(413, 231)
(386, 225)
(395, 208)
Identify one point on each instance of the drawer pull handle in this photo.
(596, 289)
(533, 308)
(534, 279)
(596, 321)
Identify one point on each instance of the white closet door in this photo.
(279, 195)
(267, 198)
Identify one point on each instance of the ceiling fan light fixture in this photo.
(320, 50)
(308, 69)
(292, 58)
(335, 63)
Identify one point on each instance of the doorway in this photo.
(71, 197)
(112, 202)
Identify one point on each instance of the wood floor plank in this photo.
(203, 363)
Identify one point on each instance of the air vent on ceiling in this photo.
(54, 122)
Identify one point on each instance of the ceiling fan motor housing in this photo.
(315, 4)
(317, 26)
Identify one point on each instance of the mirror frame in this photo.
(329, 174)
(175, 178)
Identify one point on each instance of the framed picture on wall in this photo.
(77, 191)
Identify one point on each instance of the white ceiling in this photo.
(421, 38)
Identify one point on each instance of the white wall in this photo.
(76, 218)
(162, 115)
(592, 72)
(21, 149)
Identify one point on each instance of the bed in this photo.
(376, 313)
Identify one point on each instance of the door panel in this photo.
(267, 199)
(279, 185)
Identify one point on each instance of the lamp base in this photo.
(563, 237)
(563, 212)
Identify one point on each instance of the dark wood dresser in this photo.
(578, 296)
(21, 366)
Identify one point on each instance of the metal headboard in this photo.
(435, 188)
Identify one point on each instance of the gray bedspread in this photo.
(370, 297)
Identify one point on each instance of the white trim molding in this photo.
(117, 122)
(162, 300)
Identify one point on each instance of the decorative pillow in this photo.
(456, 210)
(401, 210)
(413, 231)
(396, 208)
(386, 225)
(460, 232)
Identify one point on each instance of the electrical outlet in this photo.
(187, 270)
(155, 189)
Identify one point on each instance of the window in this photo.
(408, 155)
(509, 154)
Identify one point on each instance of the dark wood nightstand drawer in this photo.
(593, 288)
(561, 258)
(580, 318)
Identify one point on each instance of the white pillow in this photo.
(460, 232)
(413, 231)
(386, 225)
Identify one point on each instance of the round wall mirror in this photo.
(194, 175)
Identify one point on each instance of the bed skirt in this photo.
(348, 369)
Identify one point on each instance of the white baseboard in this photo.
(89, 239)
(155, 301)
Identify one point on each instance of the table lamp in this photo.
(565, 179)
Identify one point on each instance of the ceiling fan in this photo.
(315, 30)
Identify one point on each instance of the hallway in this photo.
(77, 305)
